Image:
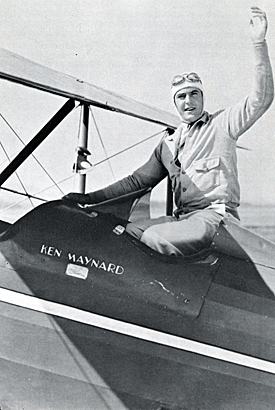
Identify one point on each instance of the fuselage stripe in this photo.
(132, 330)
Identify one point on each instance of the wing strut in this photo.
(37, 140)
(82, 150)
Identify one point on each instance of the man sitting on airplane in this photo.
(200, 159)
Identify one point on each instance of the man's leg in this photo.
(137, 228)
(189, 234)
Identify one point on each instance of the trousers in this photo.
(184, 235)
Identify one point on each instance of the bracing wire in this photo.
(38, 162)
(23, 194)
(22, 200)
(18, 177)
(26, 194)
(104, 160)
(72, 176)
(102, 143)
(112, 156)
(130, 147)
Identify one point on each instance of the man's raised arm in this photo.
(241, 116)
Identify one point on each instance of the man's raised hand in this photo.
(258, 24)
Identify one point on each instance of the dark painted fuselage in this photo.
(93, 319)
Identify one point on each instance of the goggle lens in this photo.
(181, 78)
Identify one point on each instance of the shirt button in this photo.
(184, 189)
(183, 172)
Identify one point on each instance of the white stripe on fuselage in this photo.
(139, 332)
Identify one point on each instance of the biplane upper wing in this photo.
(16, 68)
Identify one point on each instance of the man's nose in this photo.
(187, 99)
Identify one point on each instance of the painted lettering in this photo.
(102, 266)
(95, 263)
(83, 260)
(57, 253)
(87, 260)
(111, 268)
(44, 249)
(50, 250)
(71, 257)
(119, 270)
(80, 260)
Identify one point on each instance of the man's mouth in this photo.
(189, 109)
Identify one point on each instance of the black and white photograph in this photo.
(137, 205)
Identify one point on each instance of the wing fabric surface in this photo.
(16, 68)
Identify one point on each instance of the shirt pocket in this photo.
(206, 174)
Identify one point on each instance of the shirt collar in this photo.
(204, 119)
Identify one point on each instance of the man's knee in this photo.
(184, 237)
(137, 228)
(159, 243)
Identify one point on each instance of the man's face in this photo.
(189, 103)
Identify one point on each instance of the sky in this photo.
(133, 48)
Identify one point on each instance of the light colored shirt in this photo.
(207, 174)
